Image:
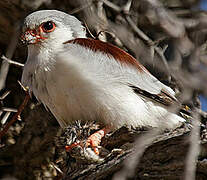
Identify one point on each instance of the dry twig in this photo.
(9, 53)
(194, 149)
(15, 117)
(11, 61)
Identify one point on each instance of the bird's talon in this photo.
(94, 140)
(68, 148)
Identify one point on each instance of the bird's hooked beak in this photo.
(32, 36)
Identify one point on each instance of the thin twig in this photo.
(192, 156)
(101, 14)
(17, 114)
(56, 167)
(12, 62)
(112, 5)
(127, 6)
(9, 53)
(88, 30)
(76, 10)
(5, 95)
(6, 116)
(9, 109)
(141, 34)
(164, 60)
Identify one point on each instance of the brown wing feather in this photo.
(110, 50)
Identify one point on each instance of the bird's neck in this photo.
(43, 53)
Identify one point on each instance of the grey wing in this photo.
(148, 86)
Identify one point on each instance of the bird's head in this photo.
(51, 28)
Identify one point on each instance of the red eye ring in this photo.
(48, 26)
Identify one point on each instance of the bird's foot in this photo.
(69, 147)
(94, 140)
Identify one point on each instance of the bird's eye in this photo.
(48, 26)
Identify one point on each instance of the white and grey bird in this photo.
(78, 78)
